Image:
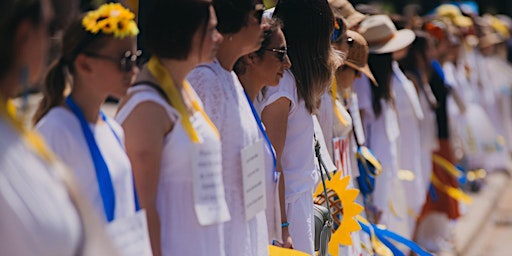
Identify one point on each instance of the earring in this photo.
(230, 38)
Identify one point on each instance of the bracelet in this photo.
(285, 224)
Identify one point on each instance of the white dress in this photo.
(382, 134)
(410, 114)
(226, 105)
(63, 133)
(37, 216)
(180, 231)
(297, 161)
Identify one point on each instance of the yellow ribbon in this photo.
(366, 155)
(31, 138)
(454, 193)
(280, 251)
(446, 165)
(334, 96)
(168, 86)
(380, 248)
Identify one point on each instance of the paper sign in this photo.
(253, 171)
(130, 235)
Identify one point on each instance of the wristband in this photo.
(285, 224)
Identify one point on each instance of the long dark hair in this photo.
(75, 41)
(308, 25)
(382, 70)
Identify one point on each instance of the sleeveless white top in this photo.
(180, 231)
(63, 133)
(37, 216)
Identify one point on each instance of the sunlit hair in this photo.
(308, 26)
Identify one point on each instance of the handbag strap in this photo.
(354, 130)
(322, 169)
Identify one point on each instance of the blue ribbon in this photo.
(260, 126)
(105, 184)
(383, 235)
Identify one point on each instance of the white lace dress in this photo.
(226, 105)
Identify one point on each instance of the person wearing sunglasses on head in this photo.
(174, 147)
(265, 67)
(239, 22)
(98, 60)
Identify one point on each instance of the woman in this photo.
(338, 124)
(39, 201)
(286, 110)
(100, 62)
(380, 120)
(172, 144)
(225, 103)
(255, 70)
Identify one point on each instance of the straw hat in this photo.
(343, 8)
(382, 35)
(358, 54)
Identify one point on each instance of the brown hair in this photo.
(75, 41)
(12, 13)
(308, 25)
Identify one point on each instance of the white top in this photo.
(408, 108)
(63, 133)
(36, 214)
(181, 233)
(382, 134)
(298, 157)
(226, 105)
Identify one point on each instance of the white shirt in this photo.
(64, 136)
(298, 157)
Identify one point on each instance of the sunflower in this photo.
(350, 210)
(111, 18)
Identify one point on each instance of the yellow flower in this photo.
(111, 18)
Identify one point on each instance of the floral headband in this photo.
(111, 18)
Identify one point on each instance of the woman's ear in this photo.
(251, 58)
(82, 64)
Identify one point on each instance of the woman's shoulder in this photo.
(58, 120)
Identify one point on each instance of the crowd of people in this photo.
(221, 133)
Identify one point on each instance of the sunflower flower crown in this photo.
(111, 18)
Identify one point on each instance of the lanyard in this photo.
(262, 130)
(32, 138)
(168, 86)
(100, 166)
(337, 113)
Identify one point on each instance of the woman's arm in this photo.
(145, 129)
(275, 118)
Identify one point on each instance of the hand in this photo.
(287, 239)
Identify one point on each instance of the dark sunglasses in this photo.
(338, 30)
(258, 10)
(356, 72)
(126, 63)
(280, 53)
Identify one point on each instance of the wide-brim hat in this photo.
(382, 35)
(344, 9)
(357, 57)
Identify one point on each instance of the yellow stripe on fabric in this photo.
(378, 246)
(446, 165)
(334, 94)
(168, 86)
(32, 138)
(366, 154)
(454, 193)
(280, 251)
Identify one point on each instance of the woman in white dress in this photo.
(380, 119)
(173, 146)
(265, 67)
(226, 104)
(41, 211)
(287, 109)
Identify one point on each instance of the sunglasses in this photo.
(258, 12)
(345, 67)
(338, 30)
(126, 63)
(280, 53)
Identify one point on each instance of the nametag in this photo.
(130, 235)
(209, 198)
(253, 172)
